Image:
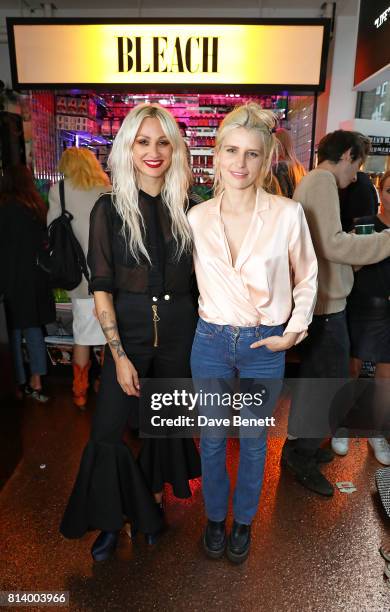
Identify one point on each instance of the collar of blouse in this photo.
(253, 233)
(262, 203)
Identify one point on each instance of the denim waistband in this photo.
(236, 330)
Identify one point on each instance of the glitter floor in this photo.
(308, 553)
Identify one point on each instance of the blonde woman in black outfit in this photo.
(140, 256)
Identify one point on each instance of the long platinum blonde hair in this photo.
(251, 117)
(125, 186)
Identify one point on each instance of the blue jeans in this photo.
(222, 351)
(36, 352)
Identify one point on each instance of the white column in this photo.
(342, 99)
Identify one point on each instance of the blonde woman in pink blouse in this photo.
(257, 277)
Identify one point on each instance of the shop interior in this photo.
(85, 119)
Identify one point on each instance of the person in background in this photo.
(257, 277)
(288, 170)
(193, 195)
(84, 182)
(369, 320)
(326, 351)
(359, 199)
(140, 256)
(28, 299)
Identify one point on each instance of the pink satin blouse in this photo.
(274, 279)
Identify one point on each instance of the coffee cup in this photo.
(364, 229)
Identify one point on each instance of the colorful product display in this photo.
(94, 121)
(89, 120)
(43, 127)
(83, 106)
(77, 114)
(76, 124)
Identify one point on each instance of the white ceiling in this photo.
(346, 7)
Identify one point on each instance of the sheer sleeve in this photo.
(100, 257)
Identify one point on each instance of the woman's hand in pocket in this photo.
(277, 343)
(127, 376)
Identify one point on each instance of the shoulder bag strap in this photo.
(62, 195)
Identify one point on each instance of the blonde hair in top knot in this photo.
(251, 117)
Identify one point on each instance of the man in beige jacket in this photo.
(325, 353)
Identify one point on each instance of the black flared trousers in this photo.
(111, 486)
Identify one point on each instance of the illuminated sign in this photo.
(373, 49)
(382, 18)
(174, 56)
(57, 52)
(380, 145)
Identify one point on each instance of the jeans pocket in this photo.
(277, 330)
(267, 350)
(204, 329)
(203, 335)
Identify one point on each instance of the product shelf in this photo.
(202, 151)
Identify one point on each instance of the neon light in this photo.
(143, 54)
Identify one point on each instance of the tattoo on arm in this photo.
(110, 330)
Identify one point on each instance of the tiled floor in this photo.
(308, 553)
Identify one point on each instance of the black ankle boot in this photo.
(104, 545)
(307, 473)
(324, 455)
(239, 542)
(214, 539)
(150, 538)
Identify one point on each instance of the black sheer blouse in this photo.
(113, 267)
